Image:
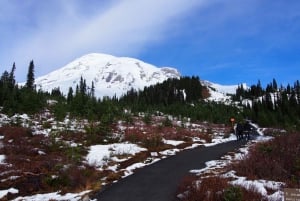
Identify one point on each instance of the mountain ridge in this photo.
(114, 76)
(111, 75)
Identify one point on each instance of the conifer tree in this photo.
(30, 76)
(93, 90)
(274, 85)
(70, 95)
(12, 80)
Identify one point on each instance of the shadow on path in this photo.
(159, 181)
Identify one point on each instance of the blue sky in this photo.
(223, 41)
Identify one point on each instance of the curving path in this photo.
(159, 181)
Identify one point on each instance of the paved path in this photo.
(159, 181)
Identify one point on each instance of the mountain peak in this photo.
(111, 75)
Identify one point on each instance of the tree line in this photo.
(20, 99)
(273, 105)
(183, 97)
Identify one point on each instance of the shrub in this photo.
(233, 193)
(147, 119)
(206, 189)
(167, 122)
(153, 142)
(277, 160)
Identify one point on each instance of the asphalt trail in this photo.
(159, 181)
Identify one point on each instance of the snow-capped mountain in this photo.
(111, 75)
(220, 93)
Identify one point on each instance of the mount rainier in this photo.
(111, 75)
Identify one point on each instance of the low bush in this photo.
(277, 160)
(233, 193)
(43, 164)
(207, 189)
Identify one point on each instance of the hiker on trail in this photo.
(247, 130)
(239, 131)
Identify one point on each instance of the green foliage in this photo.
(273, 106)
(177, 97)
(233, 193)
(75, 153)
(183, 90)
(57, 182)
(153, 141)
(30, 76)
(167, 122)
(127, 117)
(60, 110)
(147, 118)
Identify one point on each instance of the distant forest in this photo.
(273, 106)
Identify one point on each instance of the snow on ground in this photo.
(220, 139)
(173, 142)
(5, 192)
(260, 186)
(100, 154)
(219, 93)
(53, 196)
(2, 158)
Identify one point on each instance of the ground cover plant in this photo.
(275, 160)
(34, 163)
(42, 155)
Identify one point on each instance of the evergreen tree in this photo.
(30, 76)
(70, 95)
(274, 85)
(12, 80)
(93, 90)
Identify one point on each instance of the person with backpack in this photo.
(239, 131)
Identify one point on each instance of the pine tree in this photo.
(12, 80)
(70, 95)
(93, 90)
(30, 76)
(274, 85)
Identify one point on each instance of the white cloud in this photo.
(59, 33)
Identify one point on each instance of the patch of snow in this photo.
(129, 170)
(220, 93)
(41, 152)
(154, 154)
(2, 158)
(3, 193)
(99, 154)
(169, 152)
(54, 196)
(220, 139)
(260, 186)
(173, 142)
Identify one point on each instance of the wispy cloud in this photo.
(220, 36)
(57, 32)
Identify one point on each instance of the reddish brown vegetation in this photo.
(205, 92)
(41, 163)
(34, 163)
(213, 188)
(277, 160)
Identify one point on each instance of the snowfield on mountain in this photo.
(112, 76)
